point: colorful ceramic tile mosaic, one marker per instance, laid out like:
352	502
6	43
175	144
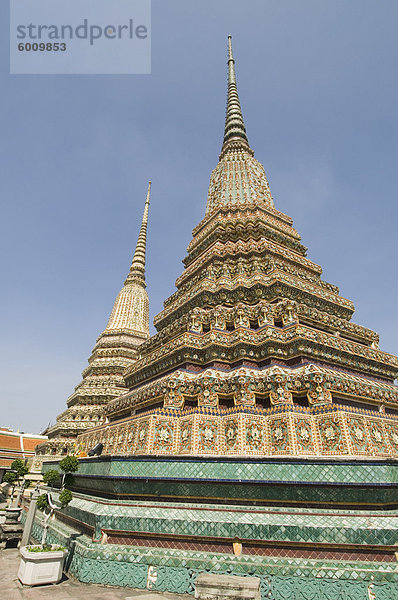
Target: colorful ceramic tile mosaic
283	576
259	417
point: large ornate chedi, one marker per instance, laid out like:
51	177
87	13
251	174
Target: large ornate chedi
255	354
115	350
258	433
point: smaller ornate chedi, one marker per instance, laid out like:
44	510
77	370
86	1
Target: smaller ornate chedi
116	349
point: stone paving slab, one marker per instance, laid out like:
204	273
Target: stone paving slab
68	589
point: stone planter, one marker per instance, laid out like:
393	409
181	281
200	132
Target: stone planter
41	567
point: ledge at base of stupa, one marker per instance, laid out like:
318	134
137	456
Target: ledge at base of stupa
339	552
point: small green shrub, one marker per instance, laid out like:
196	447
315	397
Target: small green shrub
69	464
45	548
51	477
65	497
42	502
10	477
19	466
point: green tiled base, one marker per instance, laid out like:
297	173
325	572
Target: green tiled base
176	570
310	470
332	482
306	504
222	522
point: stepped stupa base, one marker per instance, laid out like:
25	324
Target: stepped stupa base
311	529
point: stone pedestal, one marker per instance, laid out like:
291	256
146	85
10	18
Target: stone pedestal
29	518
11	530
227	587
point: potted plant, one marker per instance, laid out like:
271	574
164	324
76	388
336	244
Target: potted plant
43	563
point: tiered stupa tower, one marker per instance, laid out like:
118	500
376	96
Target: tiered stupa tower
259	433
255	354
115	350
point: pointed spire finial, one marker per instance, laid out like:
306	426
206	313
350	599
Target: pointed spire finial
235	131
137	269
231	62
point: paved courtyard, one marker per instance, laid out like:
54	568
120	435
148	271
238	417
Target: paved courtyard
67	589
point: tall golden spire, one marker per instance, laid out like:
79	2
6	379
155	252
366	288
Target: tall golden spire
137	269
116	349
131	308
235	131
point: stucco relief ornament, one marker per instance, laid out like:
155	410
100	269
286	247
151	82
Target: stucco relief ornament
231	433
196	321
241	319
240	267
394	437
304	434
210	272
358	433
278	434
218	320
142	434
208	397
330	434
226	269
184	434
289	314
377	435
173	398
280	396
244	394
320	394
264	315
208	433
164	434
254	435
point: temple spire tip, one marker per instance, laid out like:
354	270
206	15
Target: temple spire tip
148	193
235	131
137	269
230	55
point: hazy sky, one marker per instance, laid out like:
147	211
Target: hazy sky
317	81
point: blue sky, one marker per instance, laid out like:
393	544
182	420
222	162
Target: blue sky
318	87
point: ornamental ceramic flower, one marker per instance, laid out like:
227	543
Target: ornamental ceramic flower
358	433
164	434
304	435
330	433
208	433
